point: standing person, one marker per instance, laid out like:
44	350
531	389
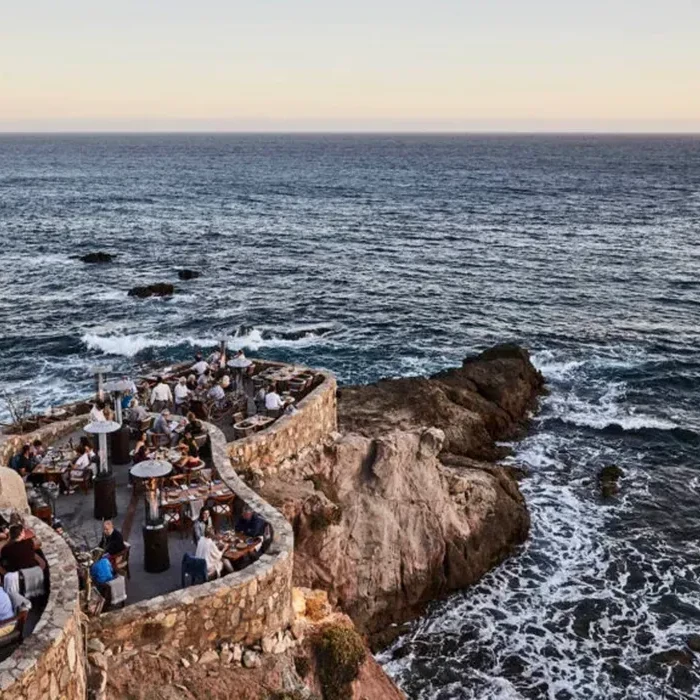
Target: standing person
273	402
161	395
182	396
201	365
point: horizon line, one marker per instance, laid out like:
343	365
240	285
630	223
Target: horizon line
353	132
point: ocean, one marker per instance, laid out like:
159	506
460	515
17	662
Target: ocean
383	255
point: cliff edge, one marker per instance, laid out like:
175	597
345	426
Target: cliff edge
407	503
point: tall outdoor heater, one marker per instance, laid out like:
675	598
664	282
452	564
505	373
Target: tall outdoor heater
156	557
105	482
120	439
99	371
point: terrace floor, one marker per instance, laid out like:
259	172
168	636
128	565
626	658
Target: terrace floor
76	514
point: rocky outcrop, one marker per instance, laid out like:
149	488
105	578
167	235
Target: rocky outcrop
188	274
160	289
403	508
97	258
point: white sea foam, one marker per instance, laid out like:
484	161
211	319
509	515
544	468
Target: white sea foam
129	345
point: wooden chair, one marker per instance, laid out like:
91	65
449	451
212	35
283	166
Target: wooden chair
43	512
222	510
157	439
82	479
172	516
12	630
192	473
121	561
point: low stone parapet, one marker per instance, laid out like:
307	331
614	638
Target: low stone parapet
50	663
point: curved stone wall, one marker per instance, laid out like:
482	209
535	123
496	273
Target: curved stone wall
316	418
240	607
50	663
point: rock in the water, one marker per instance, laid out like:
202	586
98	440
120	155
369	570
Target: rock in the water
673	656
608	480
161	289
693	642
99	257
188	274
251	659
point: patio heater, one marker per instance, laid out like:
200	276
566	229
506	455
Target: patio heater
100	371
120	439
156	557
105	485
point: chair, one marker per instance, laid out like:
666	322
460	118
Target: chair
82	479
201	440
222	510
12	630
43	512
172	516
192	473
121	561
193	567
114	591
157	439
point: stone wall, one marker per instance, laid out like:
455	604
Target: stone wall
241	607
316	418
9	444
50	663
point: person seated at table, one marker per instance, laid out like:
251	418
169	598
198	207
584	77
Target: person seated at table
7	610
192	382
137	412
194	425
140	451
161	426
216	393
38	451
201	525
80	463
93	459
250	524
19	552
112	541
201	365
22	461
186	460
188	440
182	396
225	382
273	402
205	379
208	550
214	359
290	409
97	412
161	395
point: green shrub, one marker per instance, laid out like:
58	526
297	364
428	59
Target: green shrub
340	652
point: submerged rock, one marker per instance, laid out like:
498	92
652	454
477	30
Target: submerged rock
98	257
608	480
160	289
693	642
673	656
188	274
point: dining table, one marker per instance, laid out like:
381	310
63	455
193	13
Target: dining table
236	545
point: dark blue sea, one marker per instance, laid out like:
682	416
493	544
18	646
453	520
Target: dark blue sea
383	256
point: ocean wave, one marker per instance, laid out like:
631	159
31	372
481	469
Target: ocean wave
130	345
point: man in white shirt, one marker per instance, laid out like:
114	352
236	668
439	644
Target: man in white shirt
201	365
161	395
182	394
273	402
207	550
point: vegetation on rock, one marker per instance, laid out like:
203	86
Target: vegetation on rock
340	652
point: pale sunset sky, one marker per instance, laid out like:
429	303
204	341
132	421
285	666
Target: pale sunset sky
367	65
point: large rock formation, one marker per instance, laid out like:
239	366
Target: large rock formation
13	495
402	508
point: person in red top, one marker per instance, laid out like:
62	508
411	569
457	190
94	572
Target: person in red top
18	553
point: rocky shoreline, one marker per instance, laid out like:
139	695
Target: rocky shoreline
407	503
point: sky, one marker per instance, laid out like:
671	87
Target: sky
366	65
